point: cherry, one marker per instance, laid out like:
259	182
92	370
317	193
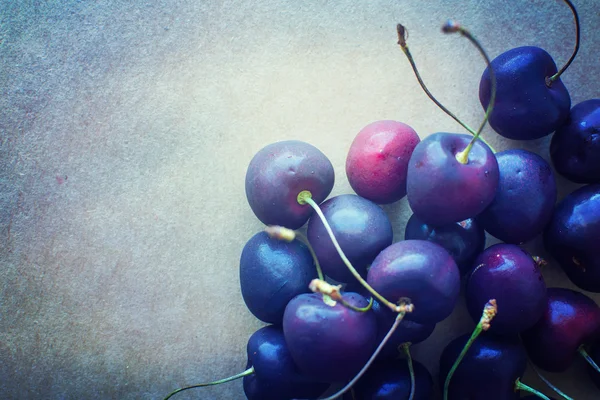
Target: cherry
419	270
531	100
443	190
390	380
572	235
278	173
524	200
272	272
378	158
491	369
407	332
270	372
275	375
509	274
464	240
329	343
570	320
362	229
575	146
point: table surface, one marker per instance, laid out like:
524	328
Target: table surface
126	130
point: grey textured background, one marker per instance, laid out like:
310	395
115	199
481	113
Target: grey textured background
126	129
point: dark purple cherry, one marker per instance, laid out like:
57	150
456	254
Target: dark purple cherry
489	369
390	380
377	161
442	190
360	226
526	107
407	332
570	320
278	172
573	237
419	270
525	198
509	274
273	272
275	376
575	147
464	240
329	343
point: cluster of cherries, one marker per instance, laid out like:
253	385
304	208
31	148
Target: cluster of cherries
343	303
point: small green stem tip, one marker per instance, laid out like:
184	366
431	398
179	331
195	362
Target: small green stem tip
249	371
588	358
489	312
547	382
521	386
411	370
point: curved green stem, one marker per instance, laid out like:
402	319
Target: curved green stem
304	240
411	370
521	386
373	357
359	309
553	78
587	358
489	312
547	382
249	371
402	42
305	197
452	27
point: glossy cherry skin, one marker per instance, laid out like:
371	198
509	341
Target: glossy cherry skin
423	272
464	240
275	376
281	170
329	343
377	161
360	226
489	369
525	198
407	332
273	272
441	190
570	320
509	274
572	237
575	146
525	107
390	380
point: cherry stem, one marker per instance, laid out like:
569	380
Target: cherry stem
550	80
247	372
547	382
305	197
304	240
402	36
411	370
489	312
521	386
453	27
364	369
588	358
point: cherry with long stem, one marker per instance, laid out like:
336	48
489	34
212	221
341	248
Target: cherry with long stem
247	372
453	27
411	370
364	369
581	350
305	197
402	36
553	78
489	312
